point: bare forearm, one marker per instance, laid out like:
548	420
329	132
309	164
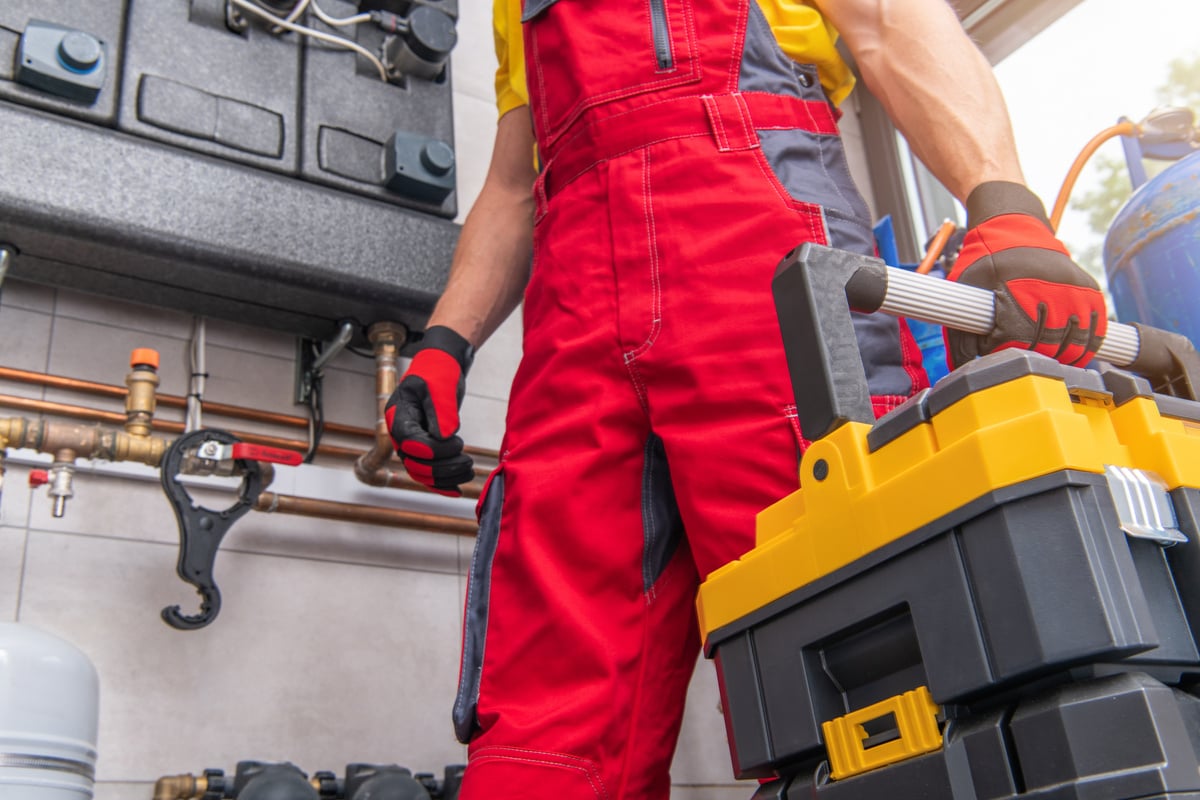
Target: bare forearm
936	86
491	263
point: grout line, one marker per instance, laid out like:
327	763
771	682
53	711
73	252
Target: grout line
240	551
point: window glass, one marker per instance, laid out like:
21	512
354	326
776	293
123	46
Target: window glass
1103	60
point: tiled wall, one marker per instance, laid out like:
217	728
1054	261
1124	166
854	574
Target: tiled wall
337	642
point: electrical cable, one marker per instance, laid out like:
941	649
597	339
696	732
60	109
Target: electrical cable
295	13
337	41
338	21
316	411
292	16
199	344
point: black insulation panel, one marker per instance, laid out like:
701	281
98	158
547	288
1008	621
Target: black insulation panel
138	196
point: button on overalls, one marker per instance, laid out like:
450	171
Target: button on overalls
652	415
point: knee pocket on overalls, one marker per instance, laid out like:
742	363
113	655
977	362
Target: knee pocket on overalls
495	771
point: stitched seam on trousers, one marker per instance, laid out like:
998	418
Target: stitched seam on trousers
677	78
545	106
589	771
637	700
633	149
821	144
738	46
805	210
655	287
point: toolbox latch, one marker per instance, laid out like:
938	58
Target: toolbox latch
1143	506
912	722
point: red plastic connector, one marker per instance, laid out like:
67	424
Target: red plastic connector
38	477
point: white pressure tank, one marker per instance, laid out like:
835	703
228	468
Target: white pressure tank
49	707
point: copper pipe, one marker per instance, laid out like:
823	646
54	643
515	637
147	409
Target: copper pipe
396	480
270	502
386	340
220	409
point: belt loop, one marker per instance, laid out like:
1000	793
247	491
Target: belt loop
729	118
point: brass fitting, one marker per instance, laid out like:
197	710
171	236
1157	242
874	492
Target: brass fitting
142	382
88	441
386	339
179	787
62	476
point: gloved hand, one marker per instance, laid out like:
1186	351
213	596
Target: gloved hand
1044	301
422	414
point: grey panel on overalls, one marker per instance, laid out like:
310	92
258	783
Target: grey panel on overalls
662	524
479	585
813	169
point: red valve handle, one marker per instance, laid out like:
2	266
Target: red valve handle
38	477
258	452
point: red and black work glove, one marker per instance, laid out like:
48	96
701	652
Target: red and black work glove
422	414
1044	301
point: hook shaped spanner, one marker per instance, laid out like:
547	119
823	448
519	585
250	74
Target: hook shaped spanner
201	529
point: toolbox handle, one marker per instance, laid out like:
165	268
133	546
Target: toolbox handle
816	287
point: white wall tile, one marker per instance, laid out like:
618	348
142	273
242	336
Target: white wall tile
474	58
100	352
482	421
123	314
349	398
856	156
246	379
15	499
137	509
496	362
24	294
12	557
126	791
258	341
344	542
315	663
475	132
108	507
702	756
26	340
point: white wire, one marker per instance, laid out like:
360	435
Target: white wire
337	41
337	21
292	16
192	421
297	11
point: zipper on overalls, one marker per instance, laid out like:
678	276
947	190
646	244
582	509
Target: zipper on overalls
662	36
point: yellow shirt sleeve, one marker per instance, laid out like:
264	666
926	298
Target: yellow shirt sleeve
802	32
805	36
510	53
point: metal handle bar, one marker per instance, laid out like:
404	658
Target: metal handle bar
972	310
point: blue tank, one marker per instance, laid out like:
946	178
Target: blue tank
1152	252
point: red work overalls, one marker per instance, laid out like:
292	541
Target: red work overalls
652	415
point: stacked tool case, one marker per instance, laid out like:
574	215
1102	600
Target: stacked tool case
992	592
191	154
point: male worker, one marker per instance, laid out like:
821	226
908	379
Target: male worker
686	146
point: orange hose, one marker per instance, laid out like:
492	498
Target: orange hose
1060	205
936	246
